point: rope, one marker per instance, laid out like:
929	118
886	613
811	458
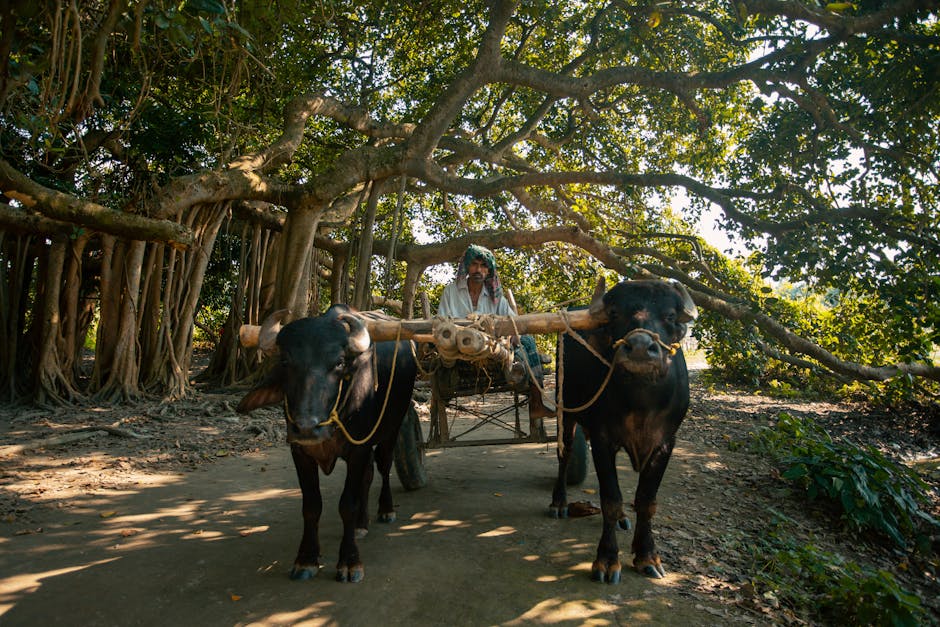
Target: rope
671	348
528	367
424	373
334	413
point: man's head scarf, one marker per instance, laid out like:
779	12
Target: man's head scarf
491	282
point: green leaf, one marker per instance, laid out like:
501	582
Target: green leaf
206	6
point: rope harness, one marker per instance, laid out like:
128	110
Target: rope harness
560	408
334	413
485	323
670	348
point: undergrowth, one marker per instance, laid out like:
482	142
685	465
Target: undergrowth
871	493
872	496
825	584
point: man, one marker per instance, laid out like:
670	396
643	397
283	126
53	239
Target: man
477	290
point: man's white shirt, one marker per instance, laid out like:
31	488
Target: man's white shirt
456	303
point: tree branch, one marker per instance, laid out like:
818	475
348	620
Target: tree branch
63	207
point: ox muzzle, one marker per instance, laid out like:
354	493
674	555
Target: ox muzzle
642	352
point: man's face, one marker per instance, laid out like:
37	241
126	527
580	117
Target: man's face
477	271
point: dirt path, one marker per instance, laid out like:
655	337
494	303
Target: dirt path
198	524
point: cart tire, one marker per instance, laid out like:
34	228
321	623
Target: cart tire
409	453
578	462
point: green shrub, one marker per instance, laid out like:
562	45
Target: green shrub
871	492
839	591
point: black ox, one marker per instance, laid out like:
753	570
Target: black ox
339	403
638	374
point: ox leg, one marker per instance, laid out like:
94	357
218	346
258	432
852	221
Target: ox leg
559	506
383	461
362	510
646	559
606	566
351	508
307	563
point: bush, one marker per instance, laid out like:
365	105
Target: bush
839	591
871	492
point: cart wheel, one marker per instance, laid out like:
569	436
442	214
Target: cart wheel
578	463
409	453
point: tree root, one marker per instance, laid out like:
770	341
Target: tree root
64	437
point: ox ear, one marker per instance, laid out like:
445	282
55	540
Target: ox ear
267	337
268	393
359	340
689	311
596	310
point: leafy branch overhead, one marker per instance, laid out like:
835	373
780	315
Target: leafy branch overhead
569	131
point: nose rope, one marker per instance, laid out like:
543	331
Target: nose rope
334	413
671	348
560	407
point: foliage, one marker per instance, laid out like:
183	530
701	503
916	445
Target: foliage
830	587
872	493
853	326
814	131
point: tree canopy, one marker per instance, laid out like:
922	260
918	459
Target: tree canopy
292	145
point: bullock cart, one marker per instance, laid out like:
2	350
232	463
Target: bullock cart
460	358
473	357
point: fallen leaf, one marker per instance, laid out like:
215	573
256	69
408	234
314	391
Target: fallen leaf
236	597
497	494
127	533
27	532
108	514
589	491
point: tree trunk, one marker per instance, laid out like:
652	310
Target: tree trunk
72	337
363	280
14	254
107	314
338	279
120	378
150	309
409	290
52	383
293	287
177	377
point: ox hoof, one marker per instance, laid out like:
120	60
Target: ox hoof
558	512
387	517
302	572
352	574
361	532
624	524
651	568
605	574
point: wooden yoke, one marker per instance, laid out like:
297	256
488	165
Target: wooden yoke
420	330
384	328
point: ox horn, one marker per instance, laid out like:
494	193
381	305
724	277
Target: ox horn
689	310
596	310
265	336
359	339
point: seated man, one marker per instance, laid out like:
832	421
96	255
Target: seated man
477	290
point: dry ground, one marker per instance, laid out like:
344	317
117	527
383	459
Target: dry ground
196	521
